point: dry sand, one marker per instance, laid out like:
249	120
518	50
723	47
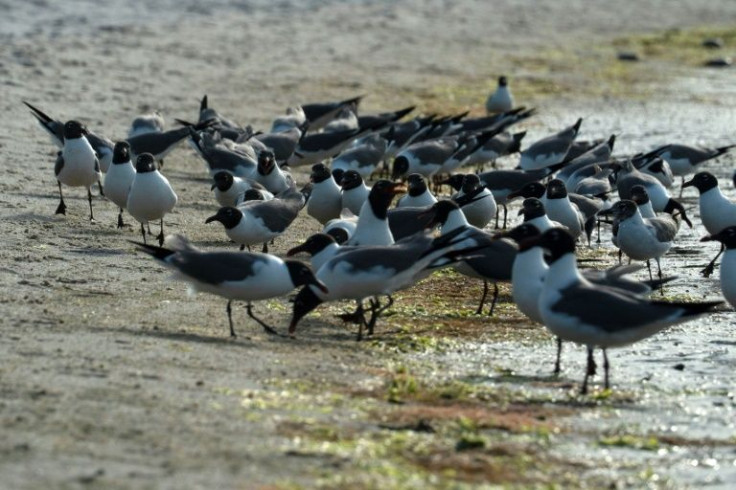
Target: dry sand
112	377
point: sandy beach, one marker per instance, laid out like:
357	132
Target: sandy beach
112	376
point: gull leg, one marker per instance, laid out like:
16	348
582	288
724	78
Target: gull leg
606	366
265	248
377	310
505	215
89	199
558	364
659	274
160	236
99	185
498	213
589	371
361	320
495	298
143	232
483	298
712	265
682	183
120	219
229	310
61	209
649	268
266	327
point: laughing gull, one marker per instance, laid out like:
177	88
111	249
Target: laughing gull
530	269
504	182
159	144
220	158
55	129
234	276
354	191
151	196
76	164
373	228
628	176
119	178
475	201
313	148
560	209
256	221
345	120
270	175
598	154
685	159
378	122
417	195
229	189
597	316
550	150
536	215
321	247
491	264
427	157
363	158
325	199
207	113
640	238
370	271
501	99
320	113
146	123
727	237
282	143
716	210
293	118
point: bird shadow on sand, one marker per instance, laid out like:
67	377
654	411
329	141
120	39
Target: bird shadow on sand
238	342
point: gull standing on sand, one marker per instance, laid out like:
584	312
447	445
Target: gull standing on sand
119	178
501	99
727	237
325	198
234	276
475	201
373	227
716	210
550	150
151	196
578	311
76	164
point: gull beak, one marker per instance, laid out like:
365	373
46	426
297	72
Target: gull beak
212	218
296	250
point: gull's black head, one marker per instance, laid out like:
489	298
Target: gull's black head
703	181
312	245
337	174
74	130
502	81
320	173
726	236
455	181
532	189
556	189
339	234
381	195
639	195
441	211
350	180
223	181
417	185
470	183
304	302
532	208
253	195
523	235
558	242
228	216
624	209
121	152
266	162
301	275
145	163
401	166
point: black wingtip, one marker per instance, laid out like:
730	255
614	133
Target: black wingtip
152	250
38	113
203	103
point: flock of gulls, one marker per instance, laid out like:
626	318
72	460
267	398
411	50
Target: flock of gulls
370	248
